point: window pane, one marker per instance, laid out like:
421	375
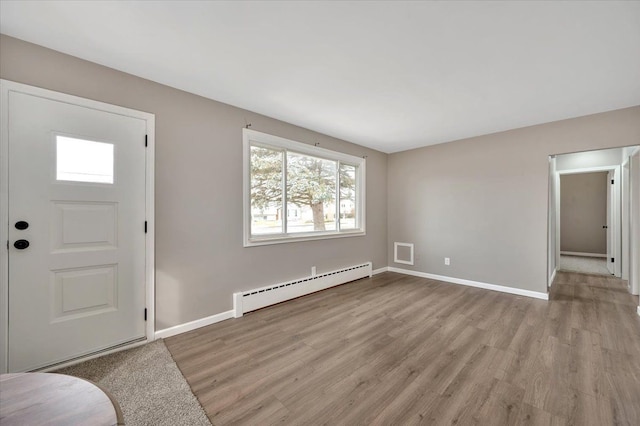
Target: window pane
80	160
348	197
266	191
311	194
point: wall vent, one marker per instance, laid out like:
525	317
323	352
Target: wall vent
403	253
257	298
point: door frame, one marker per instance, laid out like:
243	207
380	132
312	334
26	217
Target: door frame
610	218
616	233
634	231
6	87
626	222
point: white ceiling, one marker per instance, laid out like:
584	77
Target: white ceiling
388	75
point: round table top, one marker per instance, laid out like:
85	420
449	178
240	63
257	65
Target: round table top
55	399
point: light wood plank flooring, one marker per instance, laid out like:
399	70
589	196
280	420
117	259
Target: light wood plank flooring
396	350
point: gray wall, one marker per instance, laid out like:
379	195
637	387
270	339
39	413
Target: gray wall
200	259
480	201
583	212
483	201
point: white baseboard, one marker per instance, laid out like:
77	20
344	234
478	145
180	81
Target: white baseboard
578	253
379	270
486	286
188	326
183	328
552	277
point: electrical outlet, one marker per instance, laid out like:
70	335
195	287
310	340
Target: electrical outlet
447	261
313	271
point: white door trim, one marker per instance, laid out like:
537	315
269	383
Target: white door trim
626	223
634	231
7	86
587	170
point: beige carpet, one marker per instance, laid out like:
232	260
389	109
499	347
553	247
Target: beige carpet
147	384
586	265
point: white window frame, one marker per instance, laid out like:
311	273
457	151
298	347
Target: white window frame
250	137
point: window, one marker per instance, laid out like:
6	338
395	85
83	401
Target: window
79	160
295	191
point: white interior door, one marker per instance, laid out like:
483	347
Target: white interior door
610	204
76	211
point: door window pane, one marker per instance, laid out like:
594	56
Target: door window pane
311	193
80	160
266	191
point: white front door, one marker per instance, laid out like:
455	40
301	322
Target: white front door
76	216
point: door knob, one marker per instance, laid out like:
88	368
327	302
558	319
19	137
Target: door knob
21	244
22	225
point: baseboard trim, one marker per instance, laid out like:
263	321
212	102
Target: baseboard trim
469	283
380	270
578	253
192	325
188	326
552	277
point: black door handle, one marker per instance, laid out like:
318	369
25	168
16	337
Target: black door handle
21	244
22	225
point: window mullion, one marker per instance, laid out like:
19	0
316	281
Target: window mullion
285	203
337	197
357	198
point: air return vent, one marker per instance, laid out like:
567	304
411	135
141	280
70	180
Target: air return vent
257	298
403	253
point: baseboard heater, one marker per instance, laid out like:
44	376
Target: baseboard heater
257	298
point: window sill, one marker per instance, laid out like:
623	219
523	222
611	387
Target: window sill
252	242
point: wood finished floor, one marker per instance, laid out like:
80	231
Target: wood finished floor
396	350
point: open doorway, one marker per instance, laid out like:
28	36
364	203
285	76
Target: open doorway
585	223
593	200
